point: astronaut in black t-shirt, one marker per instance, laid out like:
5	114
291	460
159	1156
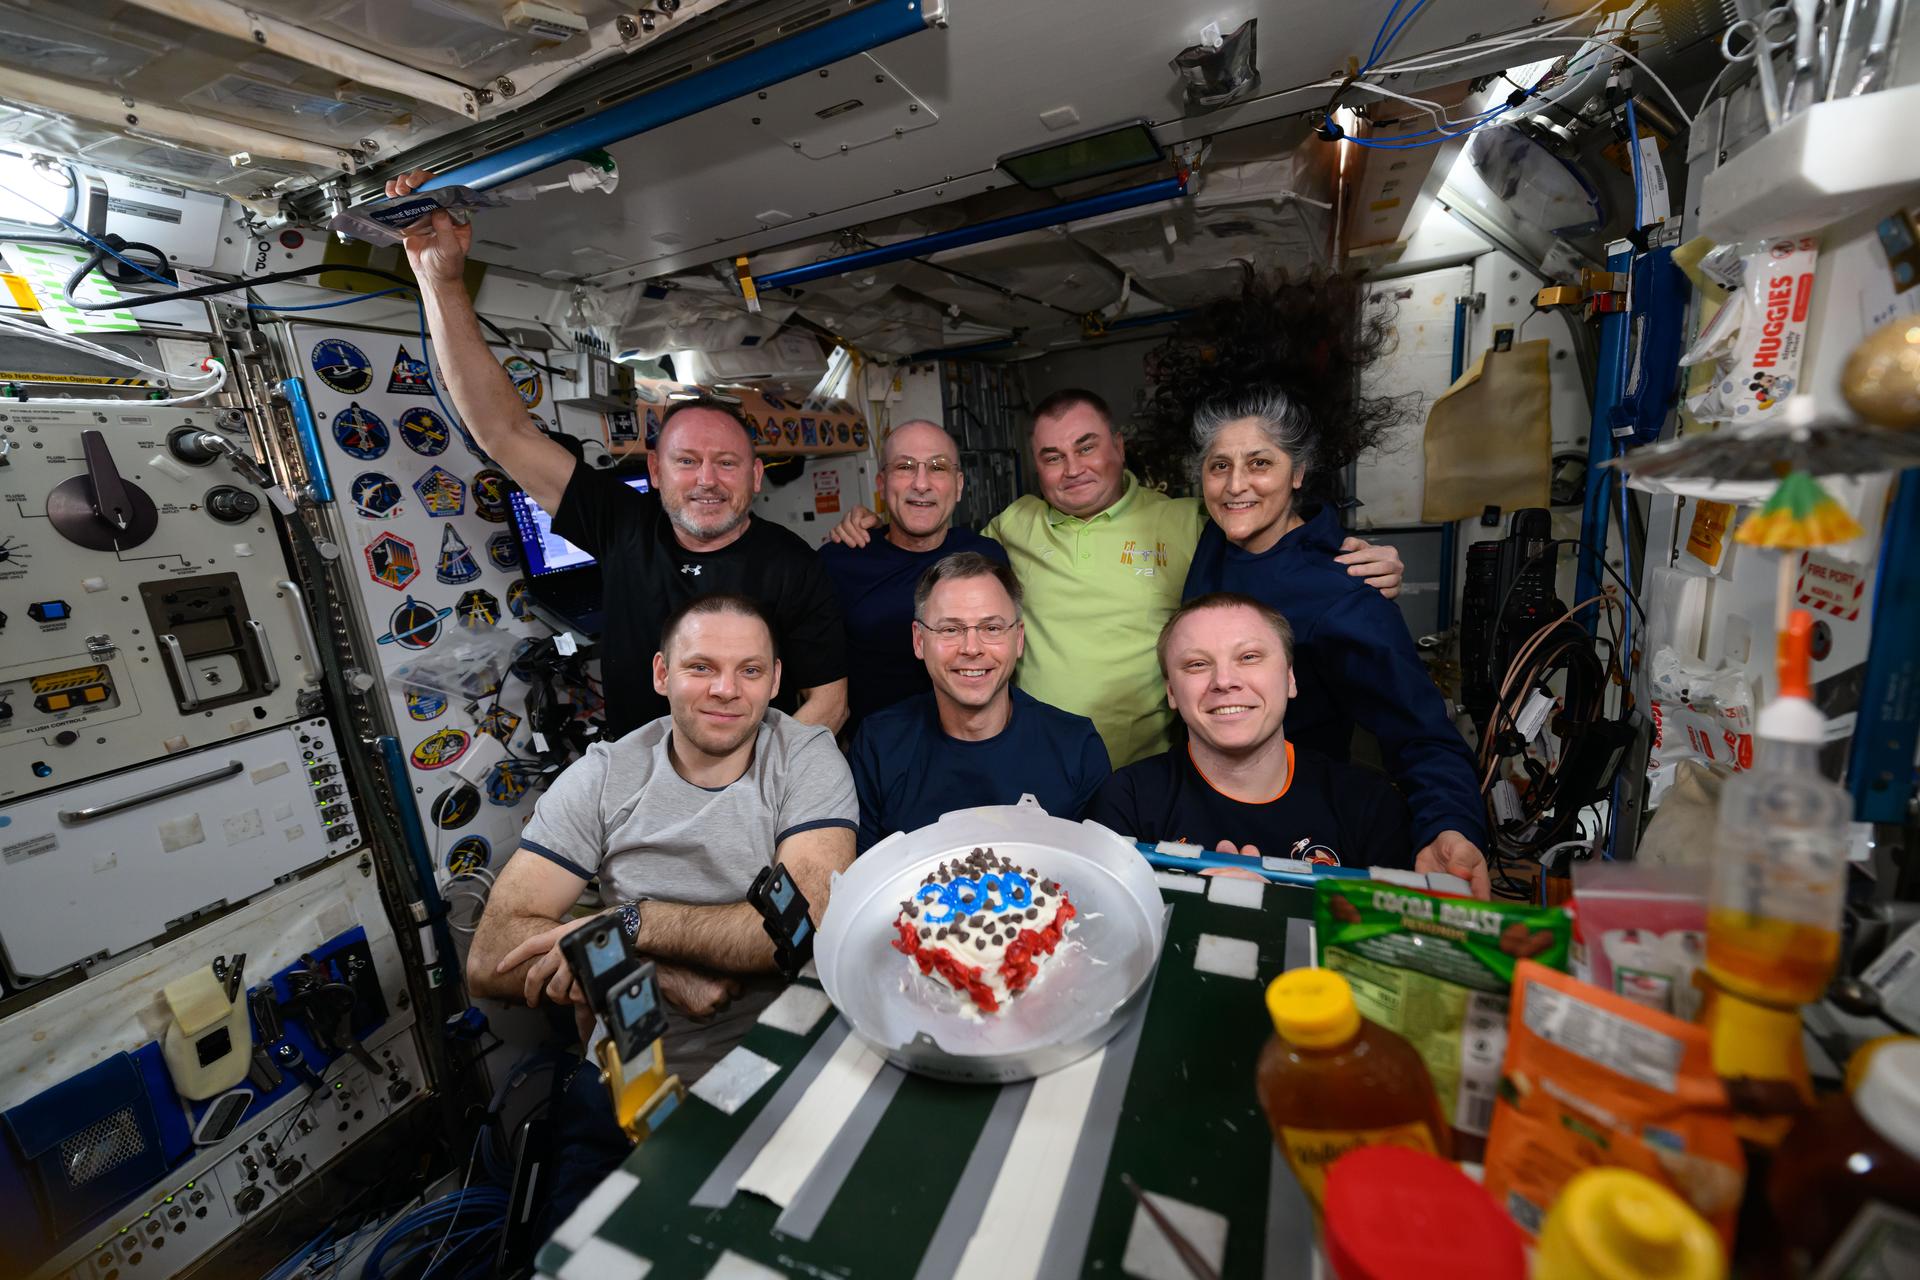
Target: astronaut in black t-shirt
694	535
1238	785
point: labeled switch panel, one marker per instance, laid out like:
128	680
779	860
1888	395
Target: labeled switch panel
142	605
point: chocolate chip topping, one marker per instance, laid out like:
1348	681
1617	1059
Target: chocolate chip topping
978	919
1033	913
942	934
979	944
924	931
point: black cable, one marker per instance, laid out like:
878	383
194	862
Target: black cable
276	277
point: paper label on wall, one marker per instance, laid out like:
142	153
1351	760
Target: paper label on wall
1707	536
1656	205
826	492
1830	587
47	268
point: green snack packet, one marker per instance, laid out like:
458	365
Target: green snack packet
1438	971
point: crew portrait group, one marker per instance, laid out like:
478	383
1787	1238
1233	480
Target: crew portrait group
1172	668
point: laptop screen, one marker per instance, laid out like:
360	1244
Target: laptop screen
545	550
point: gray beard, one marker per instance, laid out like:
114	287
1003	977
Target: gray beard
688	527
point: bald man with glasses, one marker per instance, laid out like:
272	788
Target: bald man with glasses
974	739
921	480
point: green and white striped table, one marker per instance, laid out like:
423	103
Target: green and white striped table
895	1176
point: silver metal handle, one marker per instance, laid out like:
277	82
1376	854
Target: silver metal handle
307	637
177	665
266	654
77	816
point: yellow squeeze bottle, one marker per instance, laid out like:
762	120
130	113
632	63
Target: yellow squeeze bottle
1779	883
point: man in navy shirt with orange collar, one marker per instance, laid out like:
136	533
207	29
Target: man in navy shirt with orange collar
975	739
1239	786
921	481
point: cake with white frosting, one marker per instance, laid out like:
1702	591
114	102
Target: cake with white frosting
983	926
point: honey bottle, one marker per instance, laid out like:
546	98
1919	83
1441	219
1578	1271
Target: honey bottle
1332	1082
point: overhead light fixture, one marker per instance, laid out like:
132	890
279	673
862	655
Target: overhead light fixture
1219	68
1093	155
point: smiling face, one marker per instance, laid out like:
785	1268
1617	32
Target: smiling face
969	637
706	473
1081	460
718	679
920	477
1248	483
1229	677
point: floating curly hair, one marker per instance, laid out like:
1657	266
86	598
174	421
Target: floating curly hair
1281	349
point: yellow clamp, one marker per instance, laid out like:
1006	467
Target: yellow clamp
643	1094
744	275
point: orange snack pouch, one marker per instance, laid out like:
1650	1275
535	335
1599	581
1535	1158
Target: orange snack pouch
1593	1079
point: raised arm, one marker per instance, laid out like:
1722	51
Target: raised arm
481	390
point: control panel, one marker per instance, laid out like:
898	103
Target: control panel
145	604
176	1225
91	870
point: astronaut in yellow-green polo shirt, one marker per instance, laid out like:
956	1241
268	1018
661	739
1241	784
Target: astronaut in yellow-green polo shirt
1102	559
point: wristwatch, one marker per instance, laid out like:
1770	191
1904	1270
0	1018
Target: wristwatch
628	914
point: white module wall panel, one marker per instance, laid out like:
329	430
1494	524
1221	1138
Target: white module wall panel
96	869
122	643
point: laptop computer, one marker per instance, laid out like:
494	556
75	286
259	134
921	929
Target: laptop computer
563	580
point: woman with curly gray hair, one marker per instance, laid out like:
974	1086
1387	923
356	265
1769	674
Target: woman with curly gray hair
1271	383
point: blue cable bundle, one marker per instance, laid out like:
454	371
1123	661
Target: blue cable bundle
456	1233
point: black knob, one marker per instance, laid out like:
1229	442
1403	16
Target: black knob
231	505
193	446
66	738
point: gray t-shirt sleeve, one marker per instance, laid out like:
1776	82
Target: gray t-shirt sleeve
568	826
818	789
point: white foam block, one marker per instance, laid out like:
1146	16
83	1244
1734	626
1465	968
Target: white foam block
1179	850
796	1009
1026	1193
603	1260
1228	957
1150	1255
734	1080
1179	883
811	969
787	1160
1235	892
595	1210
732	1266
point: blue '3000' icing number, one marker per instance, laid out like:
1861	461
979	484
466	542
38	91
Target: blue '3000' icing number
993	892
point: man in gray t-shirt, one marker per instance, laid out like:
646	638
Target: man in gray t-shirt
675	819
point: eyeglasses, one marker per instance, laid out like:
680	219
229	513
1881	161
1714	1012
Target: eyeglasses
992	631
934	466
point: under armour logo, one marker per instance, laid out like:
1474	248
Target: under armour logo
693	569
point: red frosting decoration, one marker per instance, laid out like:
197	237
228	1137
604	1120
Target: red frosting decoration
1018	967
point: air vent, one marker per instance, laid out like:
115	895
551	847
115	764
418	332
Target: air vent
1227	230
804	21
648	85
733	50
507	141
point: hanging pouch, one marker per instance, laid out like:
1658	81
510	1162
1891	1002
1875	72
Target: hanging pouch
88	1143
209	1044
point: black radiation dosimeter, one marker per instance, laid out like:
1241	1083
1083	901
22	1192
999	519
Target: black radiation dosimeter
783	913
623	991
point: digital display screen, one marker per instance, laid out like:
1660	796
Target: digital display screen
546	551
636	1003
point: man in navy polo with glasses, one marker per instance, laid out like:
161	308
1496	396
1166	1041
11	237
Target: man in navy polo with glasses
974	740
